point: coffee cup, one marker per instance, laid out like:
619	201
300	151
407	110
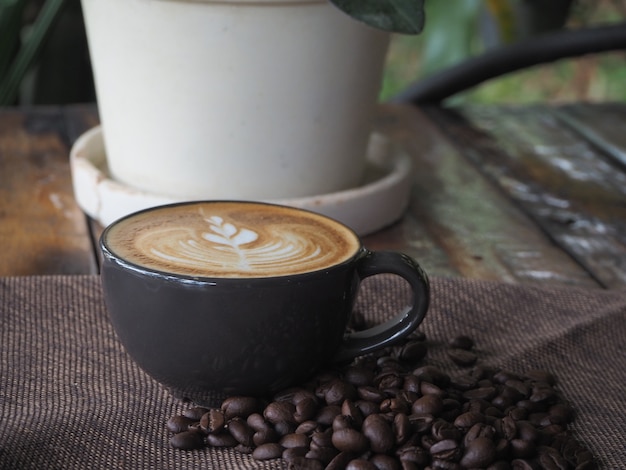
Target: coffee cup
235	297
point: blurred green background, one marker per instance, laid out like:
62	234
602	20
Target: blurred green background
44	57
459	29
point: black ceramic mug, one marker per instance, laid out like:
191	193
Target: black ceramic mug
243	297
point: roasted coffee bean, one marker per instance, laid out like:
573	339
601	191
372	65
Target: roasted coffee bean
388	380
482	393
350	440
506	427
522	449
379	432
413	351
305	464
322	454
367	407
326	415
384	411
257	422
358	375
268	451
428	404
388	363
527	431
322	438
287	394
466	420
415	454
550	459
522	388
502	402
195	413
433	375
279	411
539	375
427	388
212	421
438	464
240	430
427	441
503	449
187	440
542	394
461	342
293	453
349	409
240	406
265	436
385	462
307	427
360	464
521	464
479	430
562	410
341	422
221	439
244	449
448	449
395	405
401	428
338	391
411	383
421	422
179	423
303	394
442	430
480	452
499	465
306	409
283	428
371	394
295	440
462	357
529	406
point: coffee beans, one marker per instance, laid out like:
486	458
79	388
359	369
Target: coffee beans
387	412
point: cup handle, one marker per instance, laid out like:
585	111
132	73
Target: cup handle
403	323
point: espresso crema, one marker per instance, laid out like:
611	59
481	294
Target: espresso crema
231	239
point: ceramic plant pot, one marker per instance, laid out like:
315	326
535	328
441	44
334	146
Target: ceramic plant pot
263	99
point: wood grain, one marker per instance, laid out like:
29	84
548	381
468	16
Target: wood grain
563	182
42	230
476	231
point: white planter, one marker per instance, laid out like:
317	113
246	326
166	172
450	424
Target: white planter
234	99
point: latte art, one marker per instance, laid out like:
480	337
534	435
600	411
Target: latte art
229	239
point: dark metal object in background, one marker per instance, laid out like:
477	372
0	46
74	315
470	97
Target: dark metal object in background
539	50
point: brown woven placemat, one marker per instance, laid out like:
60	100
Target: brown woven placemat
70	398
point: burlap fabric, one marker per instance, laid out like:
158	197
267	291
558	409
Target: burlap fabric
70	398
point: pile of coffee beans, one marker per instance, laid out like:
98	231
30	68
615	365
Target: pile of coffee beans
390	411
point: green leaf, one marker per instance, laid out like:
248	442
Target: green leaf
399	16
450	35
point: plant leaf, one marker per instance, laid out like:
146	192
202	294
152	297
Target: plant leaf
398	16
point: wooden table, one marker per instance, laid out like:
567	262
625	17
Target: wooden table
531	194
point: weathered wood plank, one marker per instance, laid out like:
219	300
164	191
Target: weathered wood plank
602	124
42	230
568	186
454	208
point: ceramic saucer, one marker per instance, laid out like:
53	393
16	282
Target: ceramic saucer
379	201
